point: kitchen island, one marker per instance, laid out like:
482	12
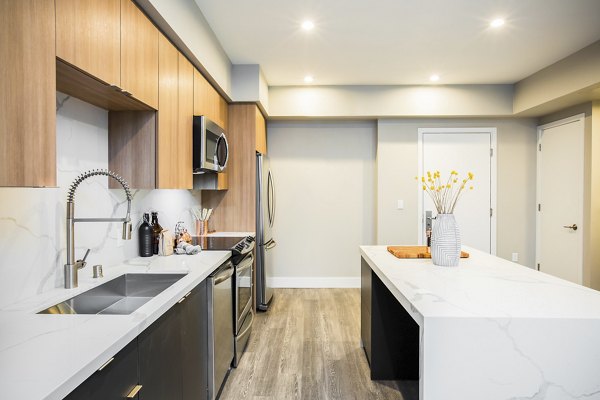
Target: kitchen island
487	329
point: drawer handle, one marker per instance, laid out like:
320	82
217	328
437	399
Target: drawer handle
106	364
134	391
184	297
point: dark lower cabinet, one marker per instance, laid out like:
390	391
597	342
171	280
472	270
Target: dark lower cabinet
365	307
194	342
168	359
114	381
389	334
160	357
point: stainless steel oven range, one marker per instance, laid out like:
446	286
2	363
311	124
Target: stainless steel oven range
242	250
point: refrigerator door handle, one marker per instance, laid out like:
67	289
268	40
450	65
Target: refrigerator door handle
271	198
270	244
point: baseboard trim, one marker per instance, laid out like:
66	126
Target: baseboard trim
314	282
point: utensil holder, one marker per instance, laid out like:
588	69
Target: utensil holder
201	228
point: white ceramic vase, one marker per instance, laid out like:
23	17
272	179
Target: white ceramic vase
445	241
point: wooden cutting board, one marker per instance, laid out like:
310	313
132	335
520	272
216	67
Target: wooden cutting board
415	252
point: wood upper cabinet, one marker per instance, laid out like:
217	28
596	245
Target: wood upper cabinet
207	101
28	93
185	123
139	55
168	112
88	36
175	117
261	132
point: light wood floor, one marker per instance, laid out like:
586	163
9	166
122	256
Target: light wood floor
307	346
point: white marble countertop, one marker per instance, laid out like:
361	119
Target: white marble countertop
46	356
481	286
495	330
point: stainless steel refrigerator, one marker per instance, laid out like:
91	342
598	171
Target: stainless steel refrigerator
265	217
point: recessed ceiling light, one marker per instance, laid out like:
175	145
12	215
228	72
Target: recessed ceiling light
434	78
308	25
308	78
497	23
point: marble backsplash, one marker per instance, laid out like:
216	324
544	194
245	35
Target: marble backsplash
32	220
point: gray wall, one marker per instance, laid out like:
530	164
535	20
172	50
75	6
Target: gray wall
325	190
397	165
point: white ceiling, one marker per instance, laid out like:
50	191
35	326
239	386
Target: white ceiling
380	42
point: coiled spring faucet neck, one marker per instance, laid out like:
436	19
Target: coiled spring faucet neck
71	267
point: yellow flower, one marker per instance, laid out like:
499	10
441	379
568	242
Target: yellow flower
464	181
471	188
471	175
448	186
456	180
423	179
429	173
432	187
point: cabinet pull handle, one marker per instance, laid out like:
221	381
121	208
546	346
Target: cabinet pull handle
184	297
134	391
106	364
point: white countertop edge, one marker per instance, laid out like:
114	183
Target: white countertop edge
12	381
410	309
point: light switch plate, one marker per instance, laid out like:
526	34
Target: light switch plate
515	257
400	205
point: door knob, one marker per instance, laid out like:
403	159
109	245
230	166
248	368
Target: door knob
574	227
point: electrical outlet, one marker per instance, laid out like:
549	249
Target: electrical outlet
515	257
400	205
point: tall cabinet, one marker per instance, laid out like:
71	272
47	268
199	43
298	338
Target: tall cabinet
234	209
28	93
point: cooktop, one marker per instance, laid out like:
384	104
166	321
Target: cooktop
218	242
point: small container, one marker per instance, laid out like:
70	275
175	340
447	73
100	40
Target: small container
98	271
145	237
201	228
156	230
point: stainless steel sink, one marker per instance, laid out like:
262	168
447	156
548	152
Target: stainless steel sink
122	295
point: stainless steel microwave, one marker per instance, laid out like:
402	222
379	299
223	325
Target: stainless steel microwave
211	150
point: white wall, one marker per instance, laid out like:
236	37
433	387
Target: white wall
325	186
397	166
32	220
570	81
390	101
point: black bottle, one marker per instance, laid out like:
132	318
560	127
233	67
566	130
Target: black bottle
156	230
145	237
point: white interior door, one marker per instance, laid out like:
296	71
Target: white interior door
560	199
464	150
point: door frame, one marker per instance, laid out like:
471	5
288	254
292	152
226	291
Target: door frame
493	177
538	184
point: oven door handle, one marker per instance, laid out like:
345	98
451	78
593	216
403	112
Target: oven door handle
224	275
245	263
242	334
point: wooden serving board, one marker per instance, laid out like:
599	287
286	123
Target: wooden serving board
415	252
